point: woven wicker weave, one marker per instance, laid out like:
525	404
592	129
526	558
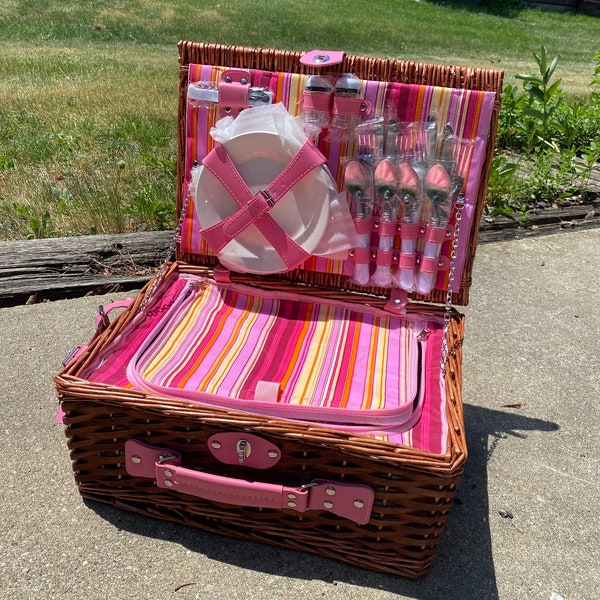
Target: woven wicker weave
413	489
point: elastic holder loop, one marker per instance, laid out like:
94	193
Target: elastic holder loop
411	231
362	256
438	235
384	258
407	261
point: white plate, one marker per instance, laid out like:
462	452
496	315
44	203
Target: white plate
302	213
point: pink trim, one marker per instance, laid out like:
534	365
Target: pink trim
350	106
319	101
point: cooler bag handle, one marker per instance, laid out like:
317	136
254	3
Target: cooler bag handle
348	500
102	322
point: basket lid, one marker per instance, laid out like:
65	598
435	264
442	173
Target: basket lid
460	99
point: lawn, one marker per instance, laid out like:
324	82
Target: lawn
88	89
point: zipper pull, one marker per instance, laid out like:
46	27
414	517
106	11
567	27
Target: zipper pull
423	336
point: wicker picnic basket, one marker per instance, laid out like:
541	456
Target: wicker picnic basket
413	488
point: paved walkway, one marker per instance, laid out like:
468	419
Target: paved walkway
525	524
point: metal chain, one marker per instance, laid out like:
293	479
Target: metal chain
158	278
460	204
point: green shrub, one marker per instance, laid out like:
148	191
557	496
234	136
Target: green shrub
546	147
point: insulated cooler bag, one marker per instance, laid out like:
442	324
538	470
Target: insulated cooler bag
294	376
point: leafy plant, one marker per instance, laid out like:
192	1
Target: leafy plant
547	147
505	189
543	98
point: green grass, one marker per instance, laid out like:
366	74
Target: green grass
88	89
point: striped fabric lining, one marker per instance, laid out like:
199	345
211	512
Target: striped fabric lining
468	111
227	343
429	434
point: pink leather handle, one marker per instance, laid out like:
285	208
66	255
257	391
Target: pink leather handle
348	500
102	319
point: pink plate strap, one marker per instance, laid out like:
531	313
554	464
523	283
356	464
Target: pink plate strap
348	500
254	208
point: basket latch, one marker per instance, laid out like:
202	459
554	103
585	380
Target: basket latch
232	447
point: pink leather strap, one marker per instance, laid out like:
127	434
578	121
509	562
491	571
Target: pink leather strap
411	231
233	90
432	265
362	256
365	225
319	101
385	258
407	261
102	319
438	235
254	208
388	228
350	106
237	448
348	500
397	301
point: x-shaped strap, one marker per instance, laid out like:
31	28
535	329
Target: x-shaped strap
254	208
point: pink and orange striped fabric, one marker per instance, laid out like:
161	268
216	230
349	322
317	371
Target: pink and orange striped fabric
317	355
226	342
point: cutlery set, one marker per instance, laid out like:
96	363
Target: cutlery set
403	181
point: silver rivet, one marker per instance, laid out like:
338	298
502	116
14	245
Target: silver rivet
162	457
397	301
227	109
328	504
168	483
291	504
228	79
320	58
273	454
359	503
136	459
291	496
168	473
216	444
243	81
422	229
330	491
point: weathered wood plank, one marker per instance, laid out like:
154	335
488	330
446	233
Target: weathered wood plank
38	270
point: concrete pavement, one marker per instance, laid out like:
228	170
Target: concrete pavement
525	522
